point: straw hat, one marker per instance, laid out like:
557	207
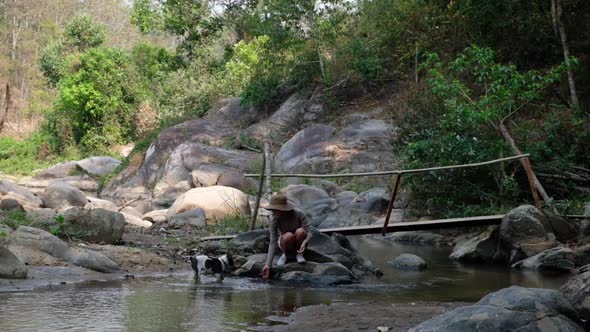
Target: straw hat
279	203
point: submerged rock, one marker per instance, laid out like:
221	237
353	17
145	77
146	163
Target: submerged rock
479	249
555	259
409	262
510	309
418	237
10	266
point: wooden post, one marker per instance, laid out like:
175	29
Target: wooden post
259	195
530	174
268	170
391	201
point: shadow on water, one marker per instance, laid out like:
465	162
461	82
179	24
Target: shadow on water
179	303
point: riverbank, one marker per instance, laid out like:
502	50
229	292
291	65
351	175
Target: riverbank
361	316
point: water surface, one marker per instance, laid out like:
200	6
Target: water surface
178	303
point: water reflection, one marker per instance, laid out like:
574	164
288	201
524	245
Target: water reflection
179	303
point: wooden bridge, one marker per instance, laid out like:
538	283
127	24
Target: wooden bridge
400	226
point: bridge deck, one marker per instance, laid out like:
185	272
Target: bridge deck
400	226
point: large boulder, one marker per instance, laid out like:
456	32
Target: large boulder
191	219
564	230
59	195
577	291
196	139
175	177
95	225
98	166
510	309
523	225
308	150
480	249
363	145
9	204
409	262
291	116
216	201
83	182
28	200
41	240
10	266
57	171
555	259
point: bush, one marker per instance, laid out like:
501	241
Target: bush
96	103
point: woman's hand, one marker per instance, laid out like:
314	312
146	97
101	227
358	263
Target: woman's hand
265	272
302	248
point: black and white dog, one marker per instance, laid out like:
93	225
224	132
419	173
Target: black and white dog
204	264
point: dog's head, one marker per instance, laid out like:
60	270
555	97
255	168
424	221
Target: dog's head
228	262
214	264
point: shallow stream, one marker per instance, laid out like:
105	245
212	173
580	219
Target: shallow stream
178	303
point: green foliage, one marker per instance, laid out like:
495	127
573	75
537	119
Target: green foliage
58	228
83	33
474	95
14	218
190	19
229	225
34	153
53	62
96	102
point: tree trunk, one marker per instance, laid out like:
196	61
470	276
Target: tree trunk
557	12
506	135
6	107
259	195
268	170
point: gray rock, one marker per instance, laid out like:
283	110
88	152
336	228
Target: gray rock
409	262
523	225
98	166
375	200
479	249
308	150
11	204
5	232
311	273
10	266
510	309
97	203
555	259
321	249
96	225
564	230
60	195
282	124
192	218
58	171
252	268
41	240
582	255
188	140
28	200
587	209
577	291
418	237
42	216
208	175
